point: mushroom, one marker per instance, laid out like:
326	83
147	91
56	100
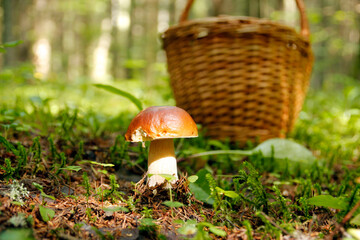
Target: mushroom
160	124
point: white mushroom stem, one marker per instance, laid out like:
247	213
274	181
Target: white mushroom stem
161	161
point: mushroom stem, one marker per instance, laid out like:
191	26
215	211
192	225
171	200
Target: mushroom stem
161	161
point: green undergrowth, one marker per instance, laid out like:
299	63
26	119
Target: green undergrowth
265	195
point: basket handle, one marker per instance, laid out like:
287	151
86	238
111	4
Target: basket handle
304	24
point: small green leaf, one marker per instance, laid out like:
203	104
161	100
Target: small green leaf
38	186
116	209
117	91
230	194
147	222
103	171
17	233
12	43
173	204
193	178
188	228
167	177
328	201
217	231
46	213
72	168
47	196
17	203
200	188
97	163
213	229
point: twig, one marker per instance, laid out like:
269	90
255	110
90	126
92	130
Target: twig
340	227
350	213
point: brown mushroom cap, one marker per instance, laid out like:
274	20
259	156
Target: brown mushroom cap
161	122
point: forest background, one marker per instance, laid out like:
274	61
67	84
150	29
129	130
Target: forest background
75	43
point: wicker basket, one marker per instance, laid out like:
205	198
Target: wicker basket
241	78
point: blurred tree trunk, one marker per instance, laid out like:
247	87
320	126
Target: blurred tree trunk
84	47
129	48
323	51
115	48
16	26
172	13
356	66
151	39
43	36
254	8
216	9
7	29
264	7
247	8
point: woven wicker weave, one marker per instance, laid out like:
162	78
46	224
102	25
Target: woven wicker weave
241	78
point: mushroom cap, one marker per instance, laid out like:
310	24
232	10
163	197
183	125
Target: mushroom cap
161	122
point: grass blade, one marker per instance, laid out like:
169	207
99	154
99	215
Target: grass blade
122	93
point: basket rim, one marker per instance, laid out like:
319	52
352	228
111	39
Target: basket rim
238	21
235	26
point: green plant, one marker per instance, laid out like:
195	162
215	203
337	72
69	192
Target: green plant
9	170
249	230
62	165
119	151
79	153
9	147
249	179
86	184
220	203
42	193
149	228
35	151
17	233
22	160
88	212
147	212
53	152
112	193
283	204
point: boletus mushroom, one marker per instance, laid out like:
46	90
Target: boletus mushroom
160	125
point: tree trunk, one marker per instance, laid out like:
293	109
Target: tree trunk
129	54
7	32
115	47
151	40
254	8
172	11
356	66
216	9
16	26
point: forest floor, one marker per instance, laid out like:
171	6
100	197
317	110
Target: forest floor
124	210
72	175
